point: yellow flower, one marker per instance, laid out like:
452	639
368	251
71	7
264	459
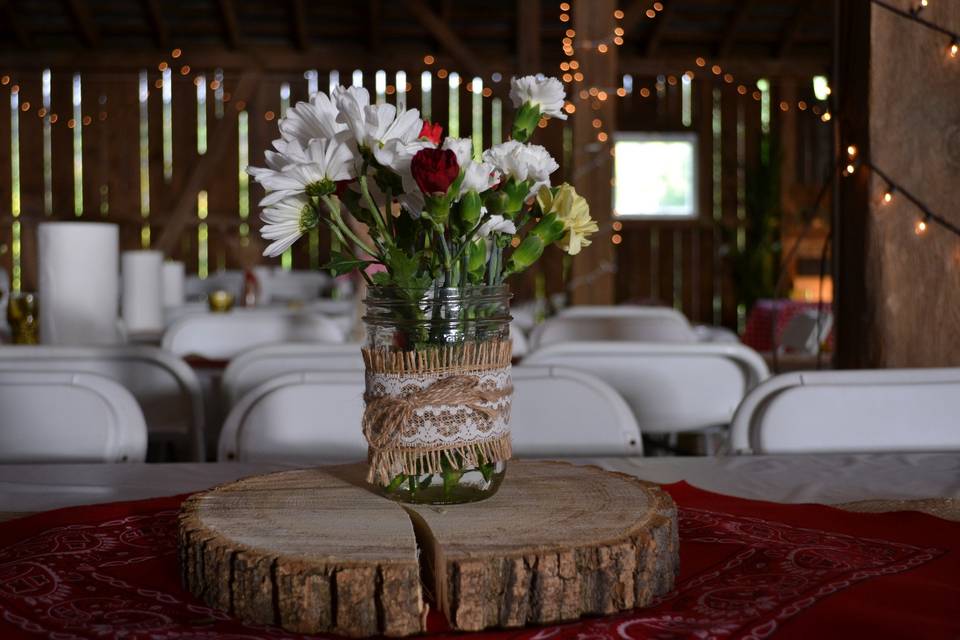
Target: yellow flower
573	211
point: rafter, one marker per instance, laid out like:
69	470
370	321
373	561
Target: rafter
528	25
374	18
13	22
659	28
85	24
298	25
231	27
793	28
154	15
733	26
465	57
203	168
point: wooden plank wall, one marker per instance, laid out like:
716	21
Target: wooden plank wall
679	262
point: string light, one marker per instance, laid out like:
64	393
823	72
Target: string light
852	151
914	15
921	227
888	194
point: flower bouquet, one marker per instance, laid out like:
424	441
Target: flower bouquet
435	227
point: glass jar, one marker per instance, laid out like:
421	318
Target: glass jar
438	391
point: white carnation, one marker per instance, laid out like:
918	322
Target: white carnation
522	161
546	93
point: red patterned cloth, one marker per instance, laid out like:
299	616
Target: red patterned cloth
758	334
749	569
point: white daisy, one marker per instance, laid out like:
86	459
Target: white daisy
324	163
309	120
545	93
285	222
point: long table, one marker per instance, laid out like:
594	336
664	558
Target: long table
825	479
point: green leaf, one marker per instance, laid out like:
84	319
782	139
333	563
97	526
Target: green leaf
341	263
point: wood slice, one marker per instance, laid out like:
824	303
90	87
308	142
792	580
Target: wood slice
557	542
310	550
317	551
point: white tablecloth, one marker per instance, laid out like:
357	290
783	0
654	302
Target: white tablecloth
809	478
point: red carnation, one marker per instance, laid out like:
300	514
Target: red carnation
434	170
432	132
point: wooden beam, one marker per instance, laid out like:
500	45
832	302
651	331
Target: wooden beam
154	16
13	21
204	167
793	29
374	17
592	280
736	21
659	29
85	24
529	25
231	28
298	25
465	57
633	14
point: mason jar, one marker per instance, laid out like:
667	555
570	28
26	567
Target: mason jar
438	392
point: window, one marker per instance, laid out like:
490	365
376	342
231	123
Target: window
655	175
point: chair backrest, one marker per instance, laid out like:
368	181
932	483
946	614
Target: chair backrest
57	416
305	417
232	281
222	336
258	365
166	389
851	411
315	416
561	412
669	387
635	324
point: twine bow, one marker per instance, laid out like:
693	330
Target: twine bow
386	416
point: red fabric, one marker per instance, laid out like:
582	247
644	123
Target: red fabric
758	334
749	569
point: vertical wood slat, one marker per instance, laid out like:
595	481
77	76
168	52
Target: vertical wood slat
184	154
6	187
729	101
31	174
119	133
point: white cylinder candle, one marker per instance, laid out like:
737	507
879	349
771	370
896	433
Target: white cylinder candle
141	302
173	279
78	282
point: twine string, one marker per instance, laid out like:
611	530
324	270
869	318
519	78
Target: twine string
385	417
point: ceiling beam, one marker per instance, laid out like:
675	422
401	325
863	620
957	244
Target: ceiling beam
298	25
633	14
528	25
374	18
452	43
203	168
154	15
736	21
793	28
231	28
13	21
84	21
659	29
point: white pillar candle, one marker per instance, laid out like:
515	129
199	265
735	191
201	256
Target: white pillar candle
141	302
78	282
173	279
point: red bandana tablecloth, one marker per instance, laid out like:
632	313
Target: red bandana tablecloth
748	570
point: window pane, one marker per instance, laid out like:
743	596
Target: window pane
655	174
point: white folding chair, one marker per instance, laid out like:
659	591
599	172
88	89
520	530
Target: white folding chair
230	280
57	416
561	412
222	336
851	411
637	324
166	389
252	368
306	417
279	285
315	416
670	387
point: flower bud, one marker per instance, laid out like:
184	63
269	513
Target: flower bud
469	210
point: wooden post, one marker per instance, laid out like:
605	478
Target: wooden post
592	280
528	36
898	293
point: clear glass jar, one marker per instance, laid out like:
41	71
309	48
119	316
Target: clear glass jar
403	323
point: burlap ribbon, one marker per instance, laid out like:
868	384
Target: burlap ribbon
385	417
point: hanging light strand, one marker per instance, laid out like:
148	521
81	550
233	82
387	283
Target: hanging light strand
953	46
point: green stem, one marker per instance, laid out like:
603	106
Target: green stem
374	209
345	228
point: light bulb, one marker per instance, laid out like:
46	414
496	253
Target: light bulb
851	169
954	49
887	197
852	151
920	228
